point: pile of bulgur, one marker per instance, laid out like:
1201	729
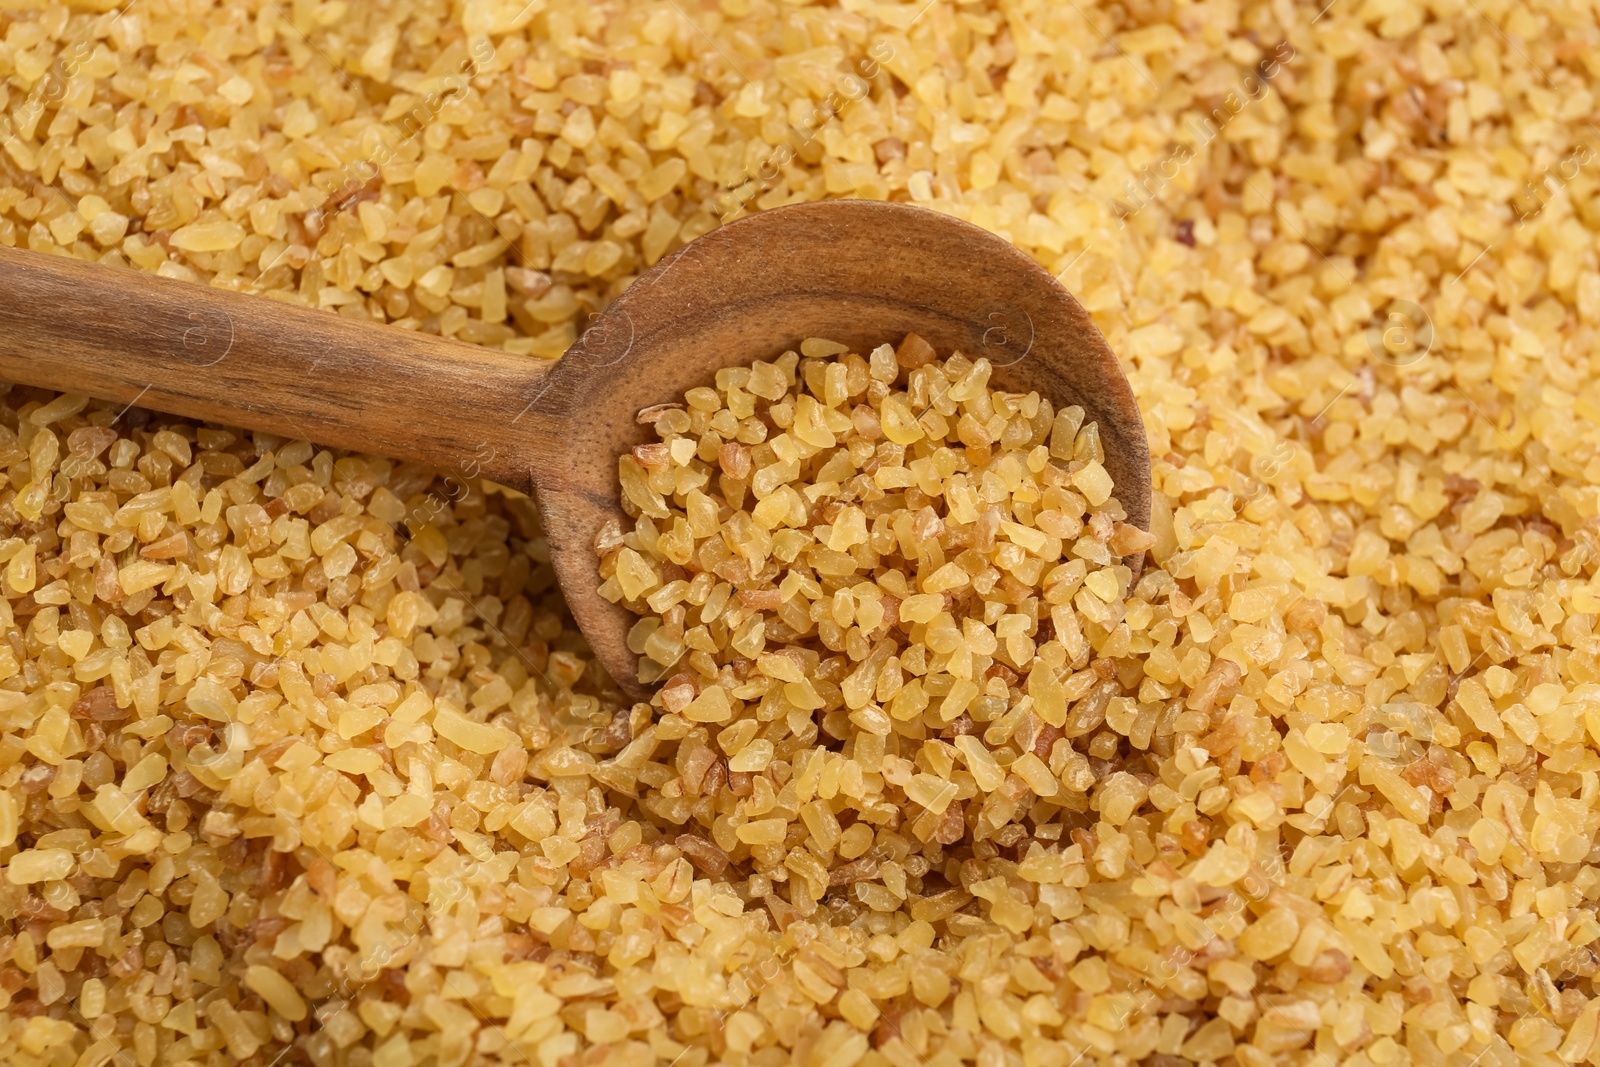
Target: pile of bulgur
891	554
302	760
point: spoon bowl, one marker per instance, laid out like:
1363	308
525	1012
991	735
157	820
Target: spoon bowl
855	271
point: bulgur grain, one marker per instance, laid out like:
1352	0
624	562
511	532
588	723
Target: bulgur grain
1344	253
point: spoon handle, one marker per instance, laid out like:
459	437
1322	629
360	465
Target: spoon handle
245	360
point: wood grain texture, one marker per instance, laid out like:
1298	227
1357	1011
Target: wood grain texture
248	361
860	272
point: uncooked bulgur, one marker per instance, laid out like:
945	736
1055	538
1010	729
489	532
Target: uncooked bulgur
874	570
301	759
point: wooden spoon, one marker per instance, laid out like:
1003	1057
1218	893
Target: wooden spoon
860	272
